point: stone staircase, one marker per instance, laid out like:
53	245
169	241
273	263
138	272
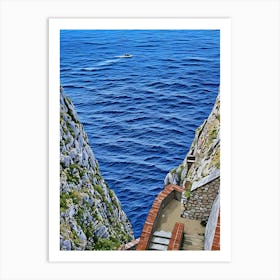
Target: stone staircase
160	240
193	242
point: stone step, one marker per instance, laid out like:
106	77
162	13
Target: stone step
158	247
161	233
194	236
192	240
195	248
193	243
160	240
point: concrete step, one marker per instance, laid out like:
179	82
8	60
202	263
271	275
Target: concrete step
158	247
161	233
160	240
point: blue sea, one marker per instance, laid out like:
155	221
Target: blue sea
140	113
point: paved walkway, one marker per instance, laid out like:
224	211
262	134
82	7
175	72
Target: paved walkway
193	230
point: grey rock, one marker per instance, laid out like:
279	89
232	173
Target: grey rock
88	207
86	198
65	245
82	236
65	160
71	211
170	179
101	232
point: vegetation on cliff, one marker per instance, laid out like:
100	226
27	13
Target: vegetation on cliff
91	217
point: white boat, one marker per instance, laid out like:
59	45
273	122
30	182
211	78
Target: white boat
126	55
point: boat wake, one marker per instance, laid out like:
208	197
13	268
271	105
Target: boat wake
126	55
107	62
101	65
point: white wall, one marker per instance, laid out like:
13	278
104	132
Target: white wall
211	224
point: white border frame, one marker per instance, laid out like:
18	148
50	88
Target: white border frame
55	25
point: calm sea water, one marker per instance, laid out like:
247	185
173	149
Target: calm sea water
140	113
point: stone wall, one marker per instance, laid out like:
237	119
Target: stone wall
199	204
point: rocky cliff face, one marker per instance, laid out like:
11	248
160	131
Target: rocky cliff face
91	217
203	158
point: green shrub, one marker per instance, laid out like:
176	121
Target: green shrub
213	134
64	200
89	231
109	207
187	193
106	244
78	167
72	179
180	170
75	196
99	189
68	99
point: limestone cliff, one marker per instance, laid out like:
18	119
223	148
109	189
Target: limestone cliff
91	217
203	158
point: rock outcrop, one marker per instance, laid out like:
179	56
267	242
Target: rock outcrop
203	158
91	217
